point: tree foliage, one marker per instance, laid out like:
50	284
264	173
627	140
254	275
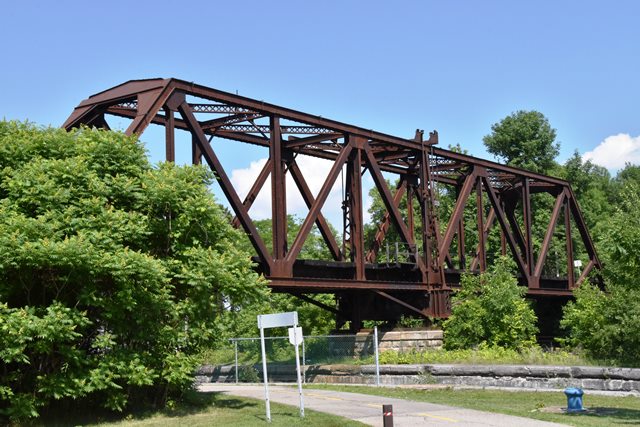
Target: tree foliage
592	187
113	274
618	239
524	139
377	211
606	323
490	310
314	246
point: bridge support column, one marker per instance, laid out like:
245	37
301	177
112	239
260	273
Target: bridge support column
278	192
354	201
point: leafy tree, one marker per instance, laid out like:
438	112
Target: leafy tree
524	139
377	210
629	175
592	186
490	309
113	274
606	323
618	240
314	246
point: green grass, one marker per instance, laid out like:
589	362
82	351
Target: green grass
607	410
209	409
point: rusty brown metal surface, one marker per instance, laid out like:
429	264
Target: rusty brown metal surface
437	248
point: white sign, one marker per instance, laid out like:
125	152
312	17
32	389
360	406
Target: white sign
277	320
295	335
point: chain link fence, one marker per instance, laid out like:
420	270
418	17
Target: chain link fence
341	357
314	350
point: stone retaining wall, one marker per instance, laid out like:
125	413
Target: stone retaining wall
401	340
514	376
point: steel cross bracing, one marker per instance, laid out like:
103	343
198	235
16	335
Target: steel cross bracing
489	199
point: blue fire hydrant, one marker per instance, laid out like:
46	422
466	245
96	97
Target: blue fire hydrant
574	399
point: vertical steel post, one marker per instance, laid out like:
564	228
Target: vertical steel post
196	154
462	256
354	179
567	227
410	220
526	213
170	146
375	347
236	351
278	195
304	364
425	216
482	252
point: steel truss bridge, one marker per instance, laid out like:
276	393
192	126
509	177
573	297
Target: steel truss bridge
489	199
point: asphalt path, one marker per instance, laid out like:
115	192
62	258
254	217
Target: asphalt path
368	409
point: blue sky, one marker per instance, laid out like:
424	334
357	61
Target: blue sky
454	66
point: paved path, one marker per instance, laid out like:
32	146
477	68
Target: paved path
368	409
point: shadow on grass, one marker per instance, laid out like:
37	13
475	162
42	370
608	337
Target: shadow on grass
290	416
618	415
229	402
191	403
195	401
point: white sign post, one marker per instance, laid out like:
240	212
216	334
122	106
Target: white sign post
275	321
295	338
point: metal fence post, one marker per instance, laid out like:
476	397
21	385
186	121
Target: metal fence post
375	347
304	365
236	350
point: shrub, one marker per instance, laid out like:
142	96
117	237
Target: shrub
248	374
113	274
605	324
490	309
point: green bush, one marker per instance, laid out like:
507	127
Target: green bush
606	325
490	309
248	374
113	274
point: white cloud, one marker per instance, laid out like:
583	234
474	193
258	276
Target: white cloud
615	151
243	179
315	172
367	184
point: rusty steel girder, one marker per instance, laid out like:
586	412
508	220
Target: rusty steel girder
436	250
